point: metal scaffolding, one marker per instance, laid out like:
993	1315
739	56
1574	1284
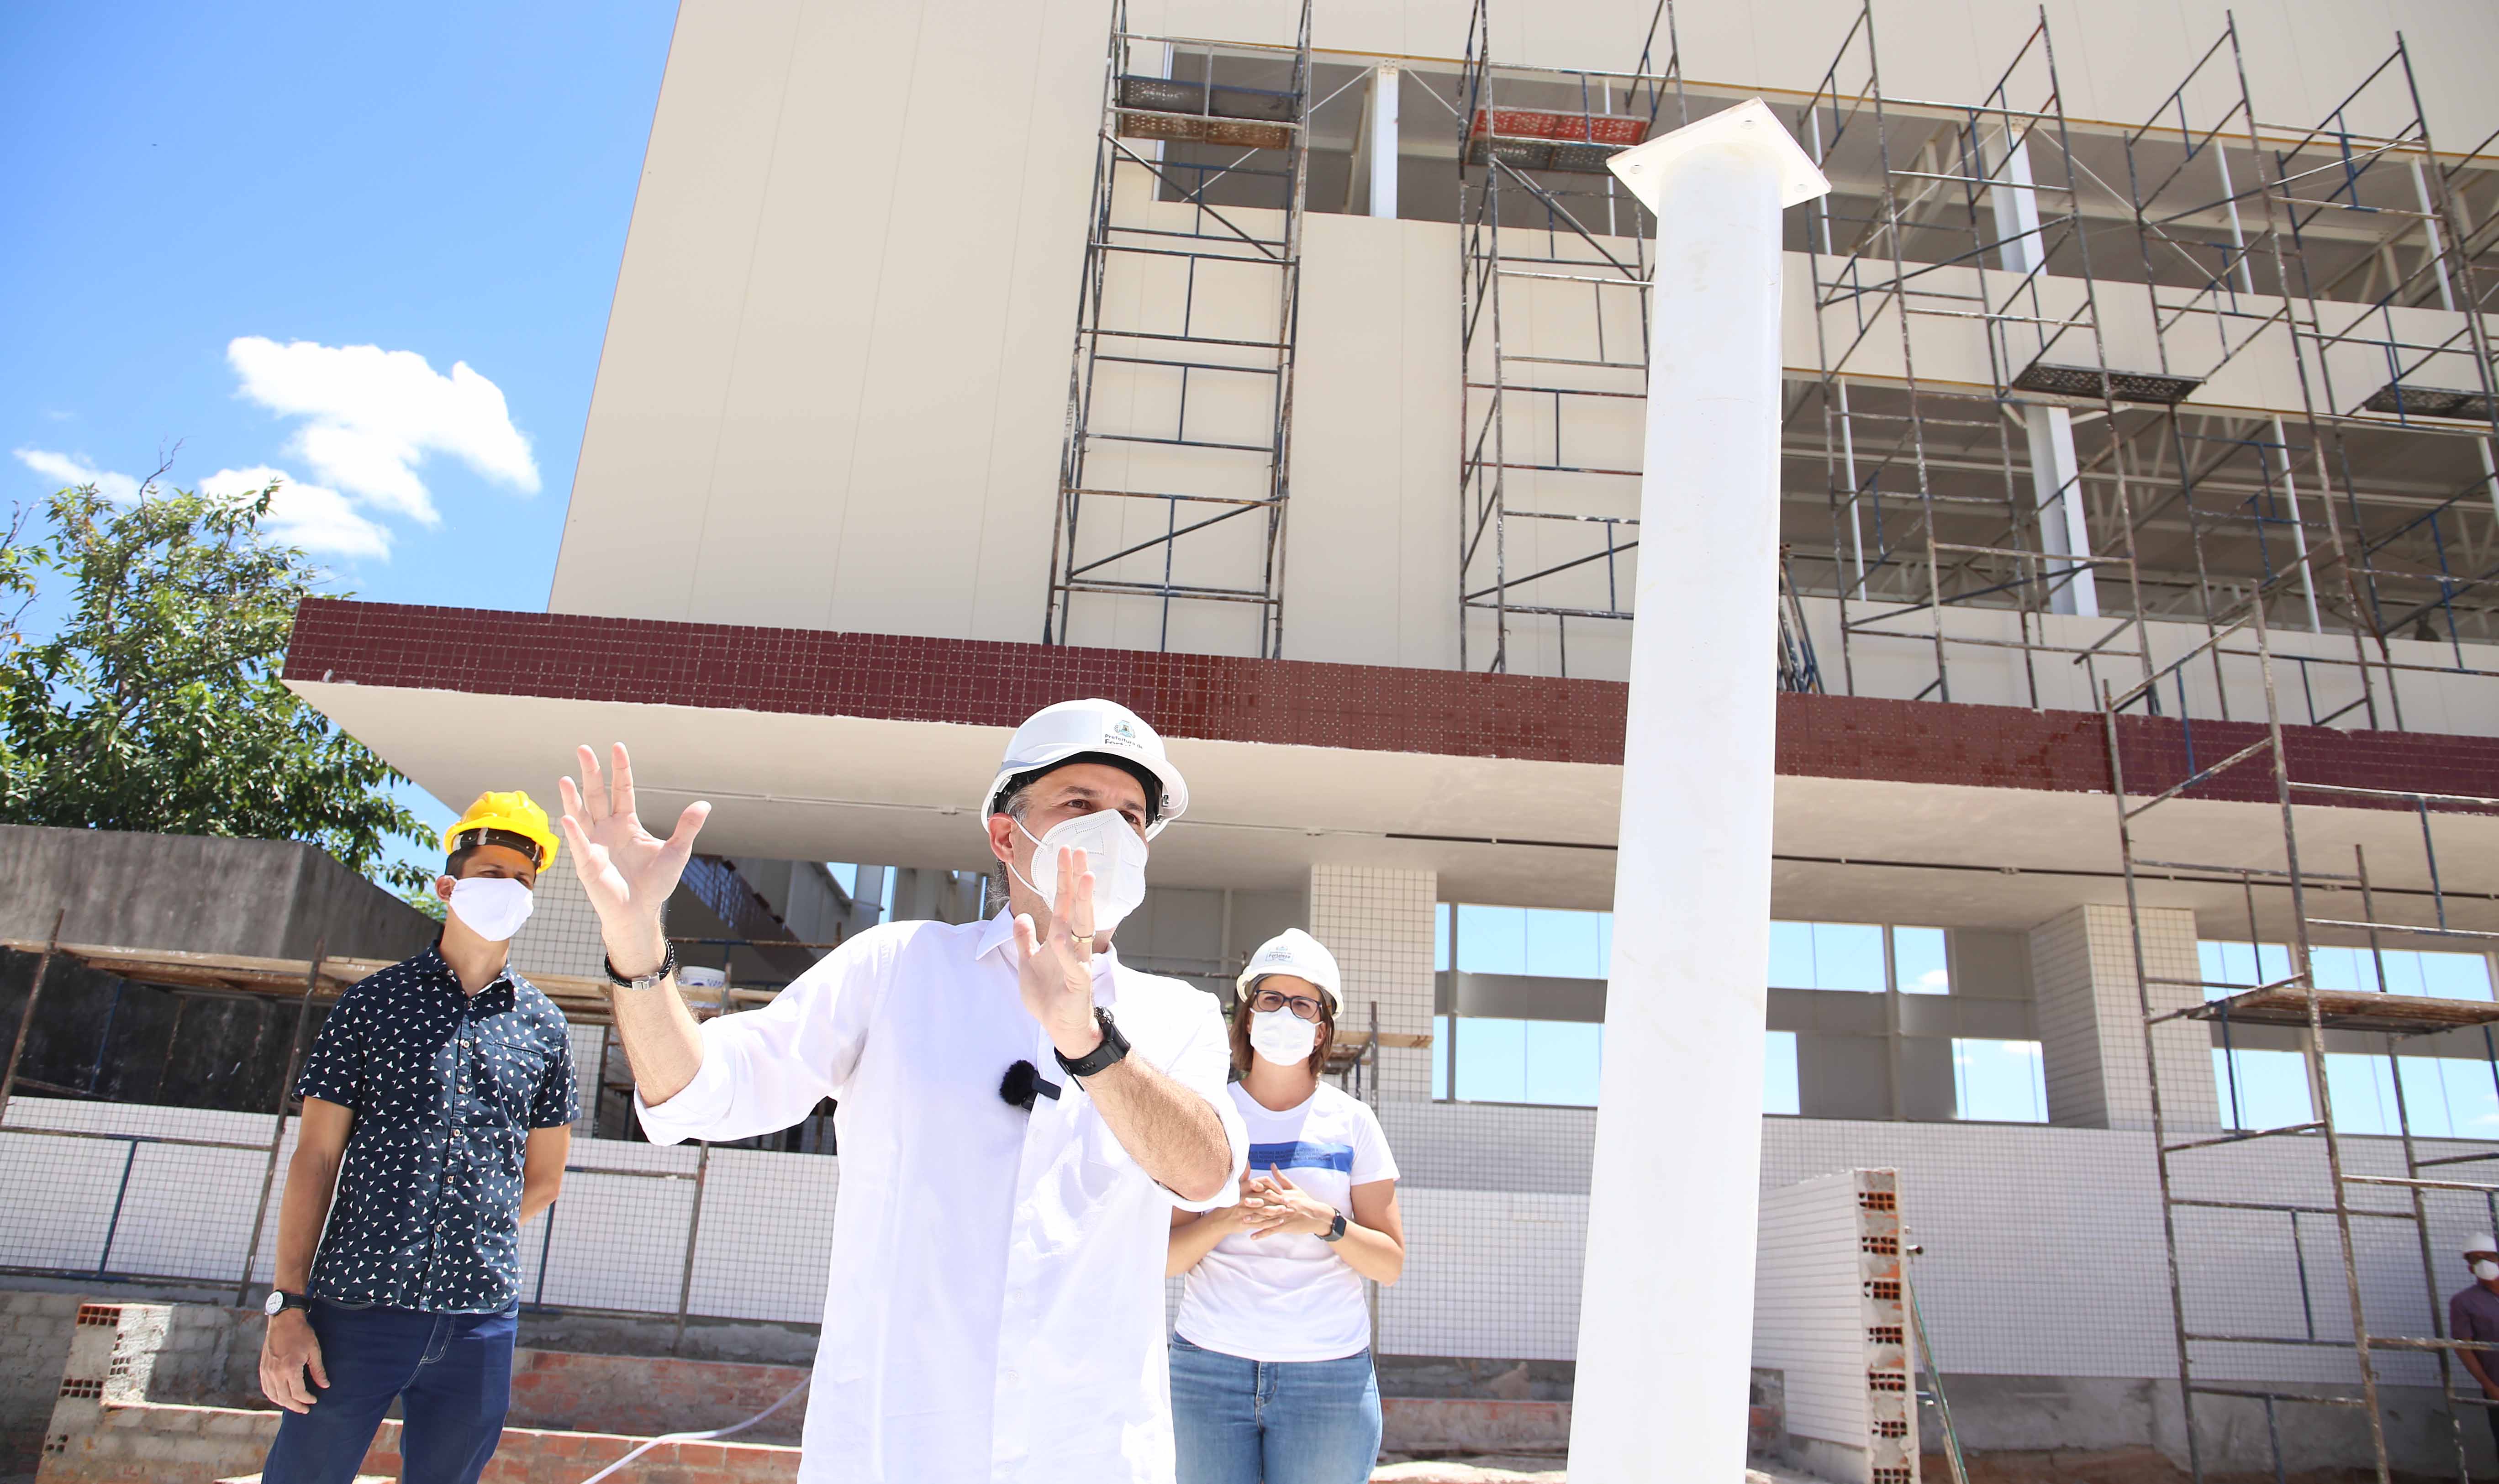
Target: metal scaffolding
2082	488
1175	473
1549	486
2214	1363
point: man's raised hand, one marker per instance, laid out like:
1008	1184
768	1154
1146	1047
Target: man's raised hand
627	871
1055	972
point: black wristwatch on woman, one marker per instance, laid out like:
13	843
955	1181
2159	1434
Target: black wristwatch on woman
1336	1229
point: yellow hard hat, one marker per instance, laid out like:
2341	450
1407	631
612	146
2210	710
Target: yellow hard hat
513	813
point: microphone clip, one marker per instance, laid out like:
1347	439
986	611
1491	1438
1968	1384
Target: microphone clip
1023	1084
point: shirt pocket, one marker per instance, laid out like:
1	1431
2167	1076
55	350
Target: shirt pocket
505	1069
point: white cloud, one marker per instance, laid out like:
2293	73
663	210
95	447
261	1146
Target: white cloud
306	515
375	415
63	470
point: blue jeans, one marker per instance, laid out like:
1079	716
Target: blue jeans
452	1375
1272	1422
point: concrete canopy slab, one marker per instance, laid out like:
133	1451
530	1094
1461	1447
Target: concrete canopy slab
851	746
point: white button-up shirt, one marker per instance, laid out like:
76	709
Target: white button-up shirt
995	1312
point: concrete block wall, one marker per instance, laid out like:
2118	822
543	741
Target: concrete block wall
35	1330
1378	923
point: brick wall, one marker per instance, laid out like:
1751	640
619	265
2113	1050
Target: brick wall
1368	708
123	1386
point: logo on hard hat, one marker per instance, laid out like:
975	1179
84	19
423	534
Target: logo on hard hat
1121	732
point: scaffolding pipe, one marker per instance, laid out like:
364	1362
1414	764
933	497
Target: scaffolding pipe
1666	1311
2056	473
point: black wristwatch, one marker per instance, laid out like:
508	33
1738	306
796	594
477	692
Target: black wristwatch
1336	1229
279	1302
651	980
1099	1059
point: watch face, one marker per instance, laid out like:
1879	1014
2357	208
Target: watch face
275	1304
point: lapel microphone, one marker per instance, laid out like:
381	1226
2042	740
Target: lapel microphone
1023	1084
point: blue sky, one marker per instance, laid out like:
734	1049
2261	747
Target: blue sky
270	234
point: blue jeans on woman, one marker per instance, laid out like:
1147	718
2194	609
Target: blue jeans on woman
452	1372
1273	1422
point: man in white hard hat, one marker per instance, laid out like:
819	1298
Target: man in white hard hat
2473	1315
1019	1115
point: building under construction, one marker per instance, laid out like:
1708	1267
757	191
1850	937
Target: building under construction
1278	369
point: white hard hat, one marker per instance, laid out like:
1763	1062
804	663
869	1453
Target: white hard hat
1077	728
2481	1242
1296	952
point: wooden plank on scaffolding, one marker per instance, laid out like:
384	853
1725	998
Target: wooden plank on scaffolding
580	996
2400	1015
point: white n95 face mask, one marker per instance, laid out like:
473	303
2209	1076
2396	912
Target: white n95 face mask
492	907
1114	851
1282	1037
2485	1270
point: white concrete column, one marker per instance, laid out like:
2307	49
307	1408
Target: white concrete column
1382	140
1666	1311
2055	476
1371	176
1378	923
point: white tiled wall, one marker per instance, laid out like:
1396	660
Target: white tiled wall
2043	1252
562	934
2091	1020
1378	924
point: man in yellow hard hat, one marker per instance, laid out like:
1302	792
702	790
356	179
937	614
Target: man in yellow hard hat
444	1084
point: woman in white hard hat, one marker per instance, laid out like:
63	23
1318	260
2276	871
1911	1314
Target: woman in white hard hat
1271	1357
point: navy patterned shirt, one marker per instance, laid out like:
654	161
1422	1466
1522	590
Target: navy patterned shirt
445	1087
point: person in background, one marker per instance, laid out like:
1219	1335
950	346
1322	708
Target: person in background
2473	1315
1271	1352
444	1083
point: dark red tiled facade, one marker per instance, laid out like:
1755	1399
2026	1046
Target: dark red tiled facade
1364	708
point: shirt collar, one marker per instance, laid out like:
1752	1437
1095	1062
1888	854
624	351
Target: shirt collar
997	936
435	967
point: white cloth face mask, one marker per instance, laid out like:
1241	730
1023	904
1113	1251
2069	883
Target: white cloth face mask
1114	851
2485	1270
492	907
1282	1037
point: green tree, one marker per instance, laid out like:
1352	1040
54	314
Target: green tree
154	704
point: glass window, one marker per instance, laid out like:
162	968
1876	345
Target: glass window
2450	975
2346	969
1492	940
1779	1073
1440	1058
1999	1082
2406	971
2261	1089
1826	956
1919	960
2227	966
1563	1061
2445	1097
1491	1060
2452	1097
845	875
1568	945
1439	937
2363	1093
1792	956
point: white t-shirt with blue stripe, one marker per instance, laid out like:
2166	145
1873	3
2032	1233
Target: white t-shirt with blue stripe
1291	1298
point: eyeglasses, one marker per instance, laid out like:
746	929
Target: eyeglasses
1276	999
